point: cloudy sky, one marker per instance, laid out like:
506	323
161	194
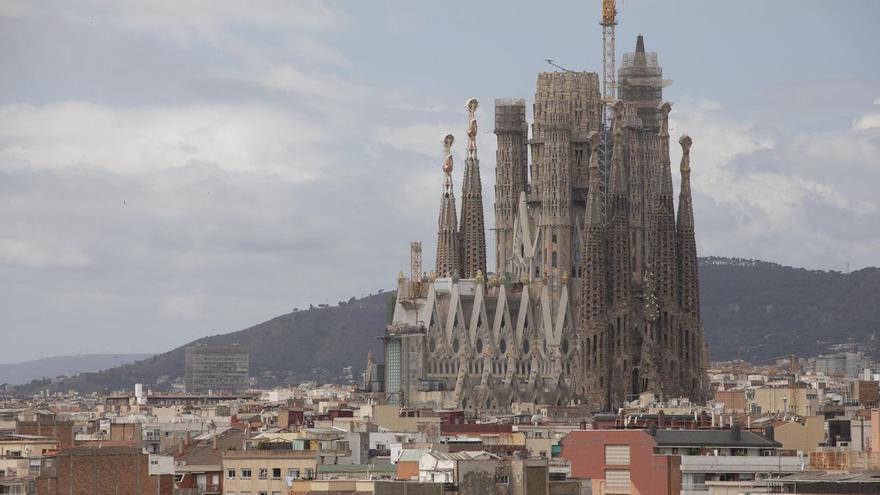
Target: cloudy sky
173	169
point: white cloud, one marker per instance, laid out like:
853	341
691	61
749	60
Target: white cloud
870	120
203	20
236	137
424	139
28	254
290	79
867	121
198	305
760	188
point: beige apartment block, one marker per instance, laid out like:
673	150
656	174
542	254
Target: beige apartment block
25	446
266	472
788	400
801	437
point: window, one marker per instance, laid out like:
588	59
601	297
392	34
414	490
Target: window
617	481
617	455
230	473
264	473
264	493
245	472
293	473
276	473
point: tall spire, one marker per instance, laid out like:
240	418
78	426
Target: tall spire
594	194
447	227
593	296
687	246
685	204
592	305
473	229
618	231
663	228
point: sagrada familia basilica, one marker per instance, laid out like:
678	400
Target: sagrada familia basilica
594	297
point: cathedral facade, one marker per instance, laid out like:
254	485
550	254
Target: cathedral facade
594	296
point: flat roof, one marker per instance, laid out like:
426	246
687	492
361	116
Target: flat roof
712	438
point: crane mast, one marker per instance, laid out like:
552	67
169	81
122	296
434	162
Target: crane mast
609	20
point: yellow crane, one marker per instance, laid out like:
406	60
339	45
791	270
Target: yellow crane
609	20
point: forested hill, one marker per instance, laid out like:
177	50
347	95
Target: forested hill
758	309
312	344
765	310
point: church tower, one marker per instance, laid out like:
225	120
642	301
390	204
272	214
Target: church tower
511	174
566	111
592	310
473	228
691	346
448	264
640	82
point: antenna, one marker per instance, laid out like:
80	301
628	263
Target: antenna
550	61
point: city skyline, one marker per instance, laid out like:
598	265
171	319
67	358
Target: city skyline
179	176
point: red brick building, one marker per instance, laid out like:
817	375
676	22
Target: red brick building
622	461
101	471
61	431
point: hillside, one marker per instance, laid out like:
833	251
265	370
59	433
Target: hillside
312	344
762	310
51	367
766	310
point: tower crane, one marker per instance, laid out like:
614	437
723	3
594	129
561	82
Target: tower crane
609	86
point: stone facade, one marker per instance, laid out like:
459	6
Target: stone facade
595	296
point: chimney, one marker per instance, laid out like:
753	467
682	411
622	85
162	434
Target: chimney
736	432
186	439
661	419
214	440
769	433
583	424
179	446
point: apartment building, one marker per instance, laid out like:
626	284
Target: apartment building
266	472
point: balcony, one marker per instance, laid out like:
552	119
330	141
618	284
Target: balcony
694	489
208	489
290	454
742	464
